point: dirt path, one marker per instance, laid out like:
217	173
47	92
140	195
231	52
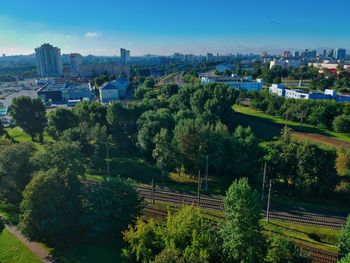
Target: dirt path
40	252
324	139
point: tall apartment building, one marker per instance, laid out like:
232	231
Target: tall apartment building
75	61
339	54
49	61
124	56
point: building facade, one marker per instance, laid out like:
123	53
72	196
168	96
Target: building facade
62	93
49	61
339	54
124	56
75	62
113	90
238	83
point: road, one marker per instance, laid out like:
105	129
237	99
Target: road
8	99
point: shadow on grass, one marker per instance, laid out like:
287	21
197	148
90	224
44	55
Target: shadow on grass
89	253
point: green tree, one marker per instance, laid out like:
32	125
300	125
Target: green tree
341	123
15	169
65	156
144	240
91	113
186	237
60	120
29	114
108	208
164	152
51	207
282	250
345	259
149	124
344	240
243	240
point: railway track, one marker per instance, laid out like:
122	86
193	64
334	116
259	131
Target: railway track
317	255
216	204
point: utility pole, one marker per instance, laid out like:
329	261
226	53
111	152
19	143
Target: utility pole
263	184
199	187
206	174
153	190
107	161
268	203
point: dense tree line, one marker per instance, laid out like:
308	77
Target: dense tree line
301	167
188	236
323	114
55	207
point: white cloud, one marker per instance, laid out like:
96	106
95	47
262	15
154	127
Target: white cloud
92	34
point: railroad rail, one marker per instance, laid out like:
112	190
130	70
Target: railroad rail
218	205
317	255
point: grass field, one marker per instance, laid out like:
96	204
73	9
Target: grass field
267	126
12	250
18	135
317	237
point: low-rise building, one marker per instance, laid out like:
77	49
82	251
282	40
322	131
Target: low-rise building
285	63
61	93
238	83
114	90
328	94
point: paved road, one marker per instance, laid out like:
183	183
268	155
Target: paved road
8	99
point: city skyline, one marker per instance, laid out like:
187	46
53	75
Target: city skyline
158	28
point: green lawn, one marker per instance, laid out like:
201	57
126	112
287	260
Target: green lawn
19	135
313	236
267	126
107	253
12	250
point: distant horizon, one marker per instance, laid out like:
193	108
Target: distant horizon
164	27
255	51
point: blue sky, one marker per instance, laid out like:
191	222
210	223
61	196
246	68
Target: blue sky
164	27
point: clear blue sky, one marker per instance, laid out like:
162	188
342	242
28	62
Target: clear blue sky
164	27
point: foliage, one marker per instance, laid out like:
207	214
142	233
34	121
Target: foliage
149	124
242	235
341	123
164	151
51	207
282	250
305	167
345	259
91	113
15	169
344	240
65	156
144	241
60	120
321	113
186	237
343	162
29	114
108	207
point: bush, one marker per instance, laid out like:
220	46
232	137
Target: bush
341	124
